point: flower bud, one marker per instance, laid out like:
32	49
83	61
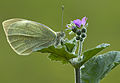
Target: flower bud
83	35
81	39
78	32
62	43
74	29
77	37
83	30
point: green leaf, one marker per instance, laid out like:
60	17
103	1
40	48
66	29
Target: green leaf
98	66
92	52
58	54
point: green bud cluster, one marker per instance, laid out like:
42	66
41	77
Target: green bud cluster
80	33
74	29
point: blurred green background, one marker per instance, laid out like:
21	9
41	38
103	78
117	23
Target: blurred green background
104	26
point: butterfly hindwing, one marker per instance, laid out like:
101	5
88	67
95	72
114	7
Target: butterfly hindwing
26	36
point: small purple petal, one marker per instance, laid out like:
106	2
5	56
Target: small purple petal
67	26
73	27
77	22
70	28
84	19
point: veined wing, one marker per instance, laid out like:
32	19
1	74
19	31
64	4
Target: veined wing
26	36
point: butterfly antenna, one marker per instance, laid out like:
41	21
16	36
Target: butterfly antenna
62	18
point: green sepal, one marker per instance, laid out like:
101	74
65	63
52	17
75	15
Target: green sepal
71	45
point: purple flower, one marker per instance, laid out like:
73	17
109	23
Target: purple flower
77	22
84	19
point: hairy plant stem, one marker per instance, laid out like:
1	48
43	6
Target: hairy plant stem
80	49
77	70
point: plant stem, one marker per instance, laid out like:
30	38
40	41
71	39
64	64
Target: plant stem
80	48
77	75
77	70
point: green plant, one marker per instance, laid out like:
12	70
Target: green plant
89	67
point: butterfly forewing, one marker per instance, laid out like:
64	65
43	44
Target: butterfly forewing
26	36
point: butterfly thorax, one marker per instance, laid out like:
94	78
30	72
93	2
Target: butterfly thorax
60	36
